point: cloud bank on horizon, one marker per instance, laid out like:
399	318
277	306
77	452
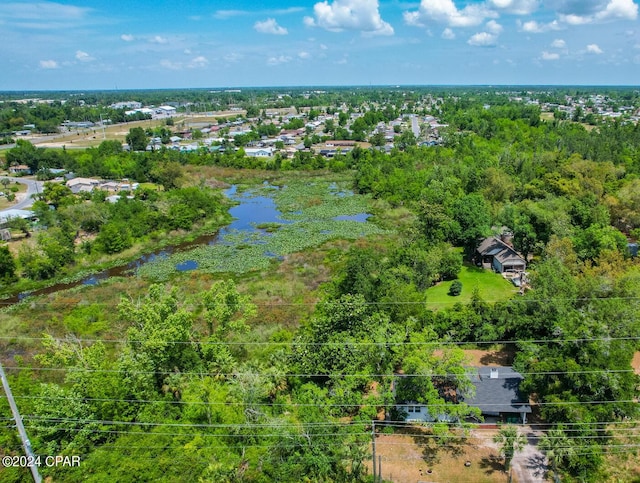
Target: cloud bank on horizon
144	44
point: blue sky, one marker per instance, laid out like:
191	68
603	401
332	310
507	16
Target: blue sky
96	44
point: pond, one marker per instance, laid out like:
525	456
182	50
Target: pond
259	233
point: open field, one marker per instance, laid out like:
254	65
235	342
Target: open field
492	288
89	137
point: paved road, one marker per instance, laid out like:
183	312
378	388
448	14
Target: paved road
530	465
415	127
33	187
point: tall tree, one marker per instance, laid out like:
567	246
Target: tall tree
137	139
7	266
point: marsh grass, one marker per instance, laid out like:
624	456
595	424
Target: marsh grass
310	205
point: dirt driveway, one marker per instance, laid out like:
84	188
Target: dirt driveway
530	465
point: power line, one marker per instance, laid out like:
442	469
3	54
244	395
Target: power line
402	424
292	404
345	302
306	375
301	432
305	437
316	344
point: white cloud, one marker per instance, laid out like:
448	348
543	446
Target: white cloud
48	64
225	14
362	15
43	16
42	11
594	49
83	56
448	34
233	57
195	63
157	39
167	64
572	19
482	39
590	11
534	27
558	44
517	7
127	37
270	26
199	61
281	59
445	11
323	47
550	56
626	9
304	55
493	27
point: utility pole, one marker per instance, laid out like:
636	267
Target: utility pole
23	434
104	134
373	443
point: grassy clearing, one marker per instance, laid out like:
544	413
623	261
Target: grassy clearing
407	458
84	138
625	465
4	203
492	286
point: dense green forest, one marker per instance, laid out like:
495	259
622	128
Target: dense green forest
276	374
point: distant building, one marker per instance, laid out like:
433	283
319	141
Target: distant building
126	105
20	169
7	215
79	185
259	152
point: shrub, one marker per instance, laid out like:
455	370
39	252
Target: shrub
456	288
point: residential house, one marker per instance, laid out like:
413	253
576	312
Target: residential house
78	185
259	152
109	186
496	254
20	169
7	215
340	143
416	412
498	394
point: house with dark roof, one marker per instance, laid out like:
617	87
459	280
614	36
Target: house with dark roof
496	254
498	394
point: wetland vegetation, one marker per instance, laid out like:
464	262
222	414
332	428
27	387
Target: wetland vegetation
263	351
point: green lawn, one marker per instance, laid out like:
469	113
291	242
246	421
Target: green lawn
493	288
